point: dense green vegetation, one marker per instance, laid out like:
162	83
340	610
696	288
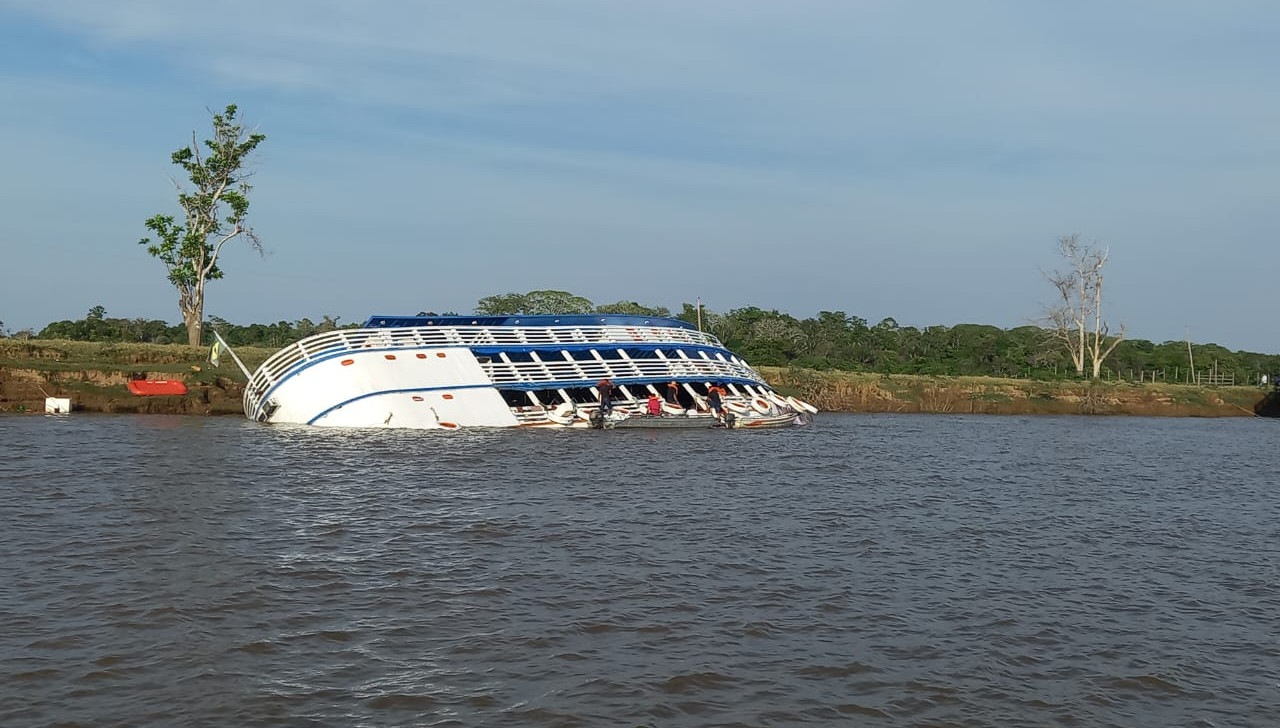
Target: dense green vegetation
832	341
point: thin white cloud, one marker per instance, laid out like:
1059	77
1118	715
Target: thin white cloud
846	134
801	75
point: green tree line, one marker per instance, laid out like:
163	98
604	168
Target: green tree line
833	340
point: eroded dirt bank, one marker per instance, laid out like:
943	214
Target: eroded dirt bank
105	391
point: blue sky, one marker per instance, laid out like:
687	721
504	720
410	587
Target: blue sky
883	158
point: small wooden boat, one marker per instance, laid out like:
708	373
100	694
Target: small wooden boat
702	421
647	421
788	419
154	387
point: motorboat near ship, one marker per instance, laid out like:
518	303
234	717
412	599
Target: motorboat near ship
693	420
447	372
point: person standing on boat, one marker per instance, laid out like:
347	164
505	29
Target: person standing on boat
605	388
673	393
655	404
713	398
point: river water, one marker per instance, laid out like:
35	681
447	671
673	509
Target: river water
871	570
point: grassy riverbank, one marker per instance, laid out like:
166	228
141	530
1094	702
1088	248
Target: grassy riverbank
94	376
854	392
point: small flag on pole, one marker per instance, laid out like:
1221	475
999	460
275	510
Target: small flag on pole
215	352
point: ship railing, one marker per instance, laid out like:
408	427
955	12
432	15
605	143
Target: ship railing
329	343
531	415
550	371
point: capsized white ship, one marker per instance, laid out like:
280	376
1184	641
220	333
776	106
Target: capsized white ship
430	372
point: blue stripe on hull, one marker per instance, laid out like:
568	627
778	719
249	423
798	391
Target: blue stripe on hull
340	405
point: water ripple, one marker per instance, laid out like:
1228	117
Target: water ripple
886	570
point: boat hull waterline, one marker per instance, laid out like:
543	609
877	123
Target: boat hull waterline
450	372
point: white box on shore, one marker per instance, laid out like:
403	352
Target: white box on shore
57	405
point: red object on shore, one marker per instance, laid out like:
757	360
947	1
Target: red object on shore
150	387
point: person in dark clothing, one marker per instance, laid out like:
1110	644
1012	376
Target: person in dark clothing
713	399
673	393
605	388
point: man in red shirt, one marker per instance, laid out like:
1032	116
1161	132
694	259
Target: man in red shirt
655	404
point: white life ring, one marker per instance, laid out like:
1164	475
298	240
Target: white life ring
672	409
737	408
761	405
778	399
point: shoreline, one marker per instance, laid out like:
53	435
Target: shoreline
94	376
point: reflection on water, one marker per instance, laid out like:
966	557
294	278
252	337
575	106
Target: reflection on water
869	570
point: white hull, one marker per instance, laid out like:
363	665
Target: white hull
443	386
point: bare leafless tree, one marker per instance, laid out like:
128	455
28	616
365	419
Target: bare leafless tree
1076	320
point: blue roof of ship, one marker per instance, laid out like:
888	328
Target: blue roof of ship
600	319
